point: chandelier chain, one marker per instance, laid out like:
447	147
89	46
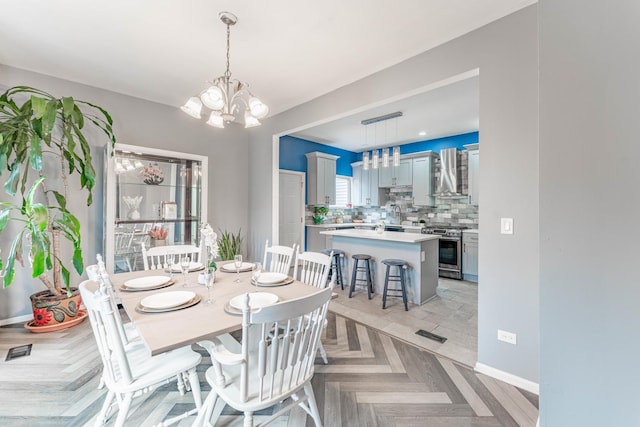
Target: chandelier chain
228	73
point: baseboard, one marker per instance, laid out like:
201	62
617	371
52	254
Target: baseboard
18	319
508	378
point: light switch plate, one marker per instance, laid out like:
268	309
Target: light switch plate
506	225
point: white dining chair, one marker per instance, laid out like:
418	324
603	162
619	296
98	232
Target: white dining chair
279	258
270	368
123	249
313	269
156	258
129	374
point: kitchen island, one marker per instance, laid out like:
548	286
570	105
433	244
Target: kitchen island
419	250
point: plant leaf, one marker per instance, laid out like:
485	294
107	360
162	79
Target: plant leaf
67	106
11	186
35	153
62	202
38	105
4	219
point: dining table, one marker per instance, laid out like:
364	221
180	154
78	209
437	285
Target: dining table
165	331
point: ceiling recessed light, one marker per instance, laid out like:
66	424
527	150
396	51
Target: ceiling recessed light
422	133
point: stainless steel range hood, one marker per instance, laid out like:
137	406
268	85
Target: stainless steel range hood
448	184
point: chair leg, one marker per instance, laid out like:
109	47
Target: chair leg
313	407
195	387
323	353
248	419
206	409
106	406
123	410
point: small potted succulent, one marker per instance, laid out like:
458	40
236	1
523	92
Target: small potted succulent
319	213
158	236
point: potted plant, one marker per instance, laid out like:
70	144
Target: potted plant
158	235
43	146
229	244
319	212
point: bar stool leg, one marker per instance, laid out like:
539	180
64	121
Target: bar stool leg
386	285
369	281
339	271
404	287
353	277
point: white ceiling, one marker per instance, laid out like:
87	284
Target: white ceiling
448	110
290	51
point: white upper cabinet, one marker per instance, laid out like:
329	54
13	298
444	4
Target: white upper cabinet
474	169
364	186
321	178
423	180
396	176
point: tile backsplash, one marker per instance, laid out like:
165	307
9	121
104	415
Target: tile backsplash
448	211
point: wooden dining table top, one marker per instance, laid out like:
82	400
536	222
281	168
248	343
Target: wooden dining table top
174	329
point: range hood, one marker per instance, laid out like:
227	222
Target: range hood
448	183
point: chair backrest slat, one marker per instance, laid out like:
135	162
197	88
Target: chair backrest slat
281	258
313	268
103	320
156	258
289	336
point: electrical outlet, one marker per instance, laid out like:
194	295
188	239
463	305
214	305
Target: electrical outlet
508	337
383	215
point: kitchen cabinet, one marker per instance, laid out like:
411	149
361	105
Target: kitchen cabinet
317	242
321	178
396	176
147	188
364	186
473	169
470	242
423	177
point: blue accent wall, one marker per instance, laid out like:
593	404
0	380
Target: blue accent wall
435	145
293	150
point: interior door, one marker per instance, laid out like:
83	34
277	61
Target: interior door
291	208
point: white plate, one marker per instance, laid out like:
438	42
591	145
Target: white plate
256	300
268	278
167	299
146	282
193	266
231	267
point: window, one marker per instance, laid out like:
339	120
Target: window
343	190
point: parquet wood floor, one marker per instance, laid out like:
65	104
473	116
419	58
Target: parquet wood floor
372	379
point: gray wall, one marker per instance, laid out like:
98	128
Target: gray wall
506	54
589	151
140	122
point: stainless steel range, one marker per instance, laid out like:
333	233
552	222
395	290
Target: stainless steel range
450	253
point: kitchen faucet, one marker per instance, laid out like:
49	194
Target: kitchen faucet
397	212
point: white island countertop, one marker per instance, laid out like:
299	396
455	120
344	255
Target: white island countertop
389	236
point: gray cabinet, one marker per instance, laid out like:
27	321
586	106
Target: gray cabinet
470	256
364	186
474	165
321	178
423	177
396	176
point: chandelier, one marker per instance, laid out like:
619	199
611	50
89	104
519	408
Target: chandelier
374	157
226	97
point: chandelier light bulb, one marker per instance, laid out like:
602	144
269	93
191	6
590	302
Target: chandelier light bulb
258	109
215	120
193	107
249	120
213	98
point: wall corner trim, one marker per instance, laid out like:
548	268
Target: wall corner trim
508	378
18	319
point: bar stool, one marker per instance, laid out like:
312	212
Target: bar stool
402	266
365	267
337	264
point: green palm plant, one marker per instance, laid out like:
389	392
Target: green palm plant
45	129
229	244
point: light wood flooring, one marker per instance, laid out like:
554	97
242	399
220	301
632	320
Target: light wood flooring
372	379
